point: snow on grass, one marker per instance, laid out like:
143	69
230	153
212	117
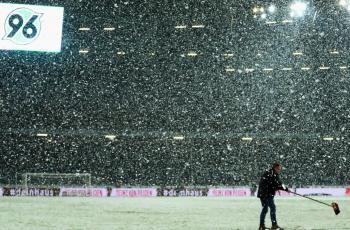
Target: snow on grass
36	213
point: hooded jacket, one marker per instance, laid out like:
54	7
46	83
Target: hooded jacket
269	184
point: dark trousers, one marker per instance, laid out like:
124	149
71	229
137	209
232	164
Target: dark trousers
268	203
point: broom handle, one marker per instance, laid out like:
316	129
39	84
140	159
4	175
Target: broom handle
310	198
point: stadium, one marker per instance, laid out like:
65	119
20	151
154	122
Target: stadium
164	114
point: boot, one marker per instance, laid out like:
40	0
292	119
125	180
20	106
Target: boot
262	227
276	227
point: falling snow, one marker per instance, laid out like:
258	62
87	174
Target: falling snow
177	86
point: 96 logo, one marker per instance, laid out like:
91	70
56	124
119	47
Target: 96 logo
22	26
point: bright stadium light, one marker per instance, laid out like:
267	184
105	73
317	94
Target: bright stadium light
198	26
192	54
180	137
230	70
181	27
247	138
41	134
272	9
297	53
84	51
110	137
228	55
271	22
109	28
84	29
345	4
263	13
298	9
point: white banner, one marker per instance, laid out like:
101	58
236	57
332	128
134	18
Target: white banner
188	191
284	193
321	191
30	27
229	192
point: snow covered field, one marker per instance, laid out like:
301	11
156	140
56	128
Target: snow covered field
36	213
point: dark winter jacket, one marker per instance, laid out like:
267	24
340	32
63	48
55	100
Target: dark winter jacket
269	184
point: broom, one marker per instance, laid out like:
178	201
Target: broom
333	205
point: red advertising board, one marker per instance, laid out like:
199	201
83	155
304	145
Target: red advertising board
347	191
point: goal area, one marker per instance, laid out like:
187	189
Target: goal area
56	180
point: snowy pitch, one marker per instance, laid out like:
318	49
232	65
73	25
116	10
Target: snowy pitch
165	213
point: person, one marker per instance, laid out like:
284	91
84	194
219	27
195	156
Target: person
253	188
268	185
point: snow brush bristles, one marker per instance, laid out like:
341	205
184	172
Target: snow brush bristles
334	205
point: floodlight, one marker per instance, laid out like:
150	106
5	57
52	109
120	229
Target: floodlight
272	9
342	2
298	9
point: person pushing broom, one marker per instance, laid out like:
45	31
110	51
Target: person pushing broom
268	185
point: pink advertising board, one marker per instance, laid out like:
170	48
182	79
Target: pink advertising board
227	192
134	192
